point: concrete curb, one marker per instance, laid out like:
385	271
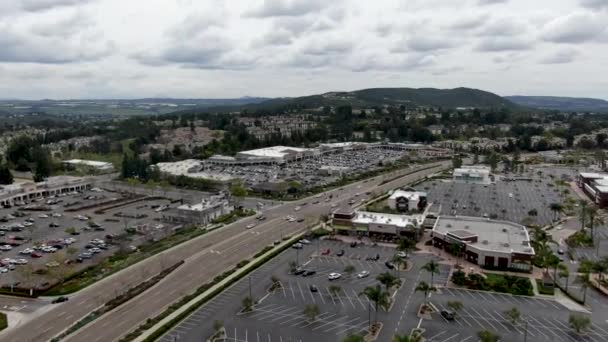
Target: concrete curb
234	276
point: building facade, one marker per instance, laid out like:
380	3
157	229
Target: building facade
23	193
472	174
405	201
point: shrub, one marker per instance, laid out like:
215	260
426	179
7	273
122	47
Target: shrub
459	278
3	321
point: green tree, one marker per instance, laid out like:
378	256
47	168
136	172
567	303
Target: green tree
238	192
350	269
406	246
556	208
583	213
564	273
425	288
6	177
387	279
247	304
376	295
335	290
513	315
456	161
311	311
579	323
42	170
353	338
455	305
492	159
487	336
593	219
433	268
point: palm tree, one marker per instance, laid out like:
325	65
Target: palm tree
583	213
455	305
426	289
387	279
406	245
350	269
556	208
335	289
376	295
432	267
579	323
593	219
513	315
564	273
399	262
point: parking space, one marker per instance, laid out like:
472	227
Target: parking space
546	319
69	229
521	201
279	315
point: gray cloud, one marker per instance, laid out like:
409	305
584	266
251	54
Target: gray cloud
276	37
575	28
561	57
328	47
492	2
421	43
503	27
287	8
468	23
595	4
20	48
497	44
394	62
43	5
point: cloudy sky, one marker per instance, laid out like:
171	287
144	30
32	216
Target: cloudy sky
232	48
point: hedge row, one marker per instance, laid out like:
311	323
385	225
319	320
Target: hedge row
3	321
167	326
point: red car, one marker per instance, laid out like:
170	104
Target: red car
36	255
326	252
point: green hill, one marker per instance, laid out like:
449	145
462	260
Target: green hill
446	98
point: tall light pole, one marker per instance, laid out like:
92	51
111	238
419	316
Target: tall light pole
525	330
250	297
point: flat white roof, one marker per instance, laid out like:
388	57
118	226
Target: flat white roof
593	175
180	167
273	151
410	195
367	217
492	235
93	163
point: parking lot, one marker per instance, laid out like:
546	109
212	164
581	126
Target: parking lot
309	171
278	315
507	200
547	320
52	232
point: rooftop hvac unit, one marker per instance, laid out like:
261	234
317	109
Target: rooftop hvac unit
484	242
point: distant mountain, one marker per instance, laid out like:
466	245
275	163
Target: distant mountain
446	98
568	104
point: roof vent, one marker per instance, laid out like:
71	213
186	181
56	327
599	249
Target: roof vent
504	230
466	227
505	244
449	225
484	242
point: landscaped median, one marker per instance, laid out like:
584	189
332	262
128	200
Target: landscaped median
3	321
159	325
117	301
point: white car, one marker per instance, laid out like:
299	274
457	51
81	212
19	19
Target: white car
20	261
251	225
363	274
27	251
334	276
6	248
27	224
43	216
56	215
6	261
49	249
297	208
94	250
3	270
401	255
304	241
52	264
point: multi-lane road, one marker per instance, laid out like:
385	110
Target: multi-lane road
205	256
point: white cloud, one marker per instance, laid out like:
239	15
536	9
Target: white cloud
218	48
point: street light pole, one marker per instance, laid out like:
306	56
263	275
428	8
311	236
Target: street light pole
525	330
369	316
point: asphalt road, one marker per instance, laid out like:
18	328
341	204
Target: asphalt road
206	257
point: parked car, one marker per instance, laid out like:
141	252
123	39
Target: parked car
353	244
374	258
5	247
54	225
304	242
36	255
389	265
402	255
340	253
309	273
299	271
326	252
297	246
313	288
448	315
251	225
334	276
363	274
